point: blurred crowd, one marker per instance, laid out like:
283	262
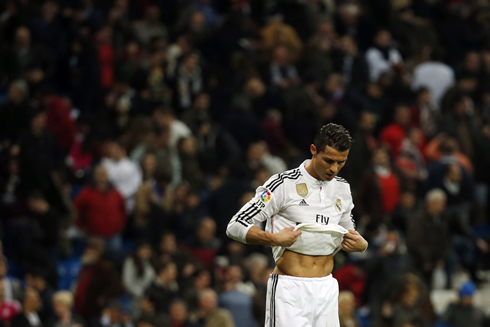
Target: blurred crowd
131	131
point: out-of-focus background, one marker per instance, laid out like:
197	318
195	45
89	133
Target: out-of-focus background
131	131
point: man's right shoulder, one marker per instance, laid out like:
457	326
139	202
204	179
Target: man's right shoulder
277	180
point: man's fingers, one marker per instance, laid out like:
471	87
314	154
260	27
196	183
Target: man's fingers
289	228
297	233
351	237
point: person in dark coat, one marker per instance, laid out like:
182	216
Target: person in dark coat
428	235
98	282
29	317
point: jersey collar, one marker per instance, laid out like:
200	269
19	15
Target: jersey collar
310	179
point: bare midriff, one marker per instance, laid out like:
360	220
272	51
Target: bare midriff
301	265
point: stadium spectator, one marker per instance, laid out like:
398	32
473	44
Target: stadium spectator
29	317
98	282
428	228
101	209
63	315
383	56
138	273
210	314
462	312
123	173
347	314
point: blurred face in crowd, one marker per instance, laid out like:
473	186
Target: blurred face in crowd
197	21
367	122
2	292
328	162
349	14
348	44
383	39
202	102
90	256
402	116
157	59
207	230
346	304
234	274
281	56
152	14
115	151
144	324
472	62
50	9
178	312
256	151
147	306
168	243
144	251
169	274
3	268
381	158
38	123
334	83
410	295
424	97
15	93
101	177
189	146
114	314
326	28
191	62
32	301
466	301
202	280
23	37
38	205
208	301
149	164
36	282
407	200
461	107
436	206
60	308
453	173
255	87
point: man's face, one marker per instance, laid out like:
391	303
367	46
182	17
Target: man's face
327	163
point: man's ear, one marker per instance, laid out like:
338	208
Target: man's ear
313	150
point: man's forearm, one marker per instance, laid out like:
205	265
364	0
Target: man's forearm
257	236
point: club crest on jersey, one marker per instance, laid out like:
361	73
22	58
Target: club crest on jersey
302	189
338	205
266	196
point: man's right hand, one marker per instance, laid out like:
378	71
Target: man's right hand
287	237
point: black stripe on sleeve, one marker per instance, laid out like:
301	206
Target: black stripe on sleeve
281	177
282	181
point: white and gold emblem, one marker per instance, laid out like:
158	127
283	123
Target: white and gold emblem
302	189
338	205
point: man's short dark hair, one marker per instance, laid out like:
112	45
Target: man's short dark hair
335	136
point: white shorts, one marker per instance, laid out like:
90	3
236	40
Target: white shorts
302	302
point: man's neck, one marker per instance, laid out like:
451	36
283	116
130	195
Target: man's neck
310	170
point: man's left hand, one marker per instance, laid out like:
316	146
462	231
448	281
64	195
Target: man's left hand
354	242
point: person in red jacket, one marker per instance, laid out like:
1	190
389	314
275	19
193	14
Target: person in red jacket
393	135
101	210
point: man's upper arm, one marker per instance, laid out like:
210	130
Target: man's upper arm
267	202
347	219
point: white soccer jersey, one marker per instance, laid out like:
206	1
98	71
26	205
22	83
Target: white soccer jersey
295	197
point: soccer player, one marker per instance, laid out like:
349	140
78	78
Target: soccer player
308	213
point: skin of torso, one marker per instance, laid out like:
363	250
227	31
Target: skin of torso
301	265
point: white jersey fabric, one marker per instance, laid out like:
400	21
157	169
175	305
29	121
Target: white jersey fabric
320	209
